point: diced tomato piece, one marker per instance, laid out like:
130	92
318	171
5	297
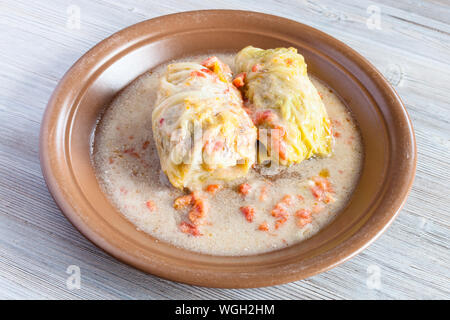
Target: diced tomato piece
145	144
197	73
161	121
150	205
263	226
183	201
249	213
279	210
256	67
199	206
303	217
209	62
280	221
198	211
287	199
244	188
238	83
336	134
268	116
189	229
303	213
278	144
289	61
303	222
217	66
263	194
300	197
317	192
239	80
321	188
282	151
213	188
323	183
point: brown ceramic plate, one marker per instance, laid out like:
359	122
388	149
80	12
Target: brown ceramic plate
81	96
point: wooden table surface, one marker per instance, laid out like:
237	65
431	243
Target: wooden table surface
408	41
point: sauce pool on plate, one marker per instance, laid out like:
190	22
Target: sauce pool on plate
269	209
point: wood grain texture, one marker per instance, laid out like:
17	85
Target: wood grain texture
37	244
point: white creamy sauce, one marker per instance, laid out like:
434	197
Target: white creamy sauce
127	167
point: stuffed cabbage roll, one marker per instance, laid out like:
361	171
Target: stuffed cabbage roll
201	130
281	99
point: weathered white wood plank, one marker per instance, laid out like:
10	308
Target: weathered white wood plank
37	243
